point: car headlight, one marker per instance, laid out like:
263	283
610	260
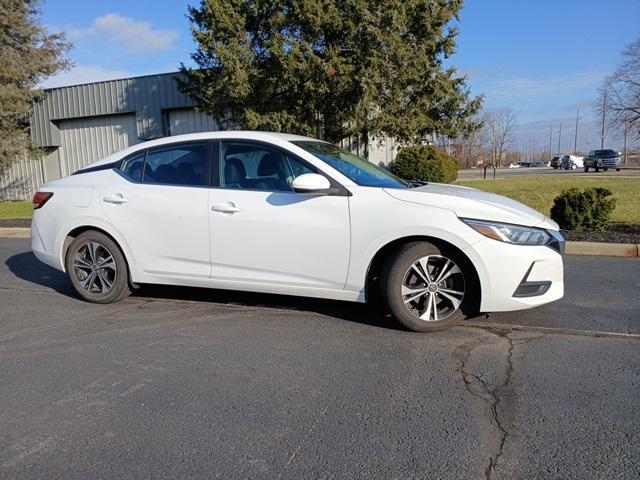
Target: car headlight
504	232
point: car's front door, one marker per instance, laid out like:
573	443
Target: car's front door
264	232
159	203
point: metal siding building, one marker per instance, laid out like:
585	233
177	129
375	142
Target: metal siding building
79	124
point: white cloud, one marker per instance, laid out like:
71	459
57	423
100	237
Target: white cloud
137	36
503	87
83	74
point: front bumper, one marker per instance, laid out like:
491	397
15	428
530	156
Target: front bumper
607	162
503	268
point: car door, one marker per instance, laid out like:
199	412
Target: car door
264	232
158	200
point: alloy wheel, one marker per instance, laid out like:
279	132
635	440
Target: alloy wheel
94	268
433	288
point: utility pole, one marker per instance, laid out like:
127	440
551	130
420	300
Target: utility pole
575	141
493	134
626	131
604	112
550	142
588	147
530	150
560	139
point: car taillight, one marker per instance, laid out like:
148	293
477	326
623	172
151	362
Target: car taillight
40	198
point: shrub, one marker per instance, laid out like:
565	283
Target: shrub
583	211
426	164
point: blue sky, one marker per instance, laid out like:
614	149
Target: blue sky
543	58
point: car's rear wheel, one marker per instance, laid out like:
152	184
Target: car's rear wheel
605	169
586	169
97	269
426	287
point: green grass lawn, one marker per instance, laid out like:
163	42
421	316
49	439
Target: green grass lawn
538	191
13	210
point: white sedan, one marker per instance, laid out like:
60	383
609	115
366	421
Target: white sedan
277	213
572	162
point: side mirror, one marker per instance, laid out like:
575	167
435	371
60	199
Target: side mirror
311	184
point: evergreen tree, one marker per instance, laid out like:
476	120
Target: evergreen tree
28	54
330	67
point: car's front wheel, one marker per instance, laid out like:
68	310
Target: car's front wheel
97	269
586	169
426	287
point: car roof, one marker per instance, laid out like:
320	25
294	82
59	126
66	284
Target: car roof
226	134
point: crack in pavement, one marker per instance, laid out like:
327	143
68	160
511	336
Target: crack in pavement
496	394
491	396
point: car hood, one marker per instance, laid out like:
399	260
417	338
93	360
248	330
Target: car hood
471	203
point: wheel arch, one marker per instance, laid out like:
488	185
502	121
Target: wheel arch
74	232
383	253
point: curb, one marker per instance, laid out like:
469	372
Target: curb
572	248
15	232
603	249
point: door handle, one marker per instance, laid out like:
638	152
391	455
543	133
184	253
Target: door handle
227	207
116	199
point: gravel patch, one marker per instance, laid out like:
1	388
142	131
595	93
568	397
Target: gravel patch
617	234
15	223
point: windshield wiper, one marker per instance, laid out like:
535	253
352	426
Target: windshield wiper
416	183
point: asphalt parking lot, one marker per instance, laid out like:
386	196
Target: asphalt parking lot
191	383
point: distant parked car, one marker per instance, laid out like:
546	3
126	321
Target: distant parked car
571	162
514	165
555	163
602	159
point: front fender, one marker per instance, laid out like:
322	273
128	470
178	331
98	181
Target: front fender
361	264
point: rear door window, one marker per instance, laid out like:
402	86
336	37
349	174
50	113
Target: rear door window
186	165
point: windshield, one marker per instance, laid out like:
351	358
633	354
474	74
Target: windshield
606	153
359	170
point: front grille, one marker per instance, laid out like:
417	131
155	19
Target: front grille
610	162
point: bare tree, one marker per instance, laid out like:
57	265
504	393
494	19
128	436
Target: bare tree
501	125
622	90
472	145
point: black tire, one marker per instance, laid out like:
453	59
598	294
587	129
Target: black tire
85	255
596	169
586	169
398	273
617	169
605	169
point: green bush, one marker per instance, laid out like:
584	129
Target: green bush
426	164
583	210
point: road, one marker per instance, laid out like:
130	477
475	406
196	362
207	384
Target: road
477	173
177	382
